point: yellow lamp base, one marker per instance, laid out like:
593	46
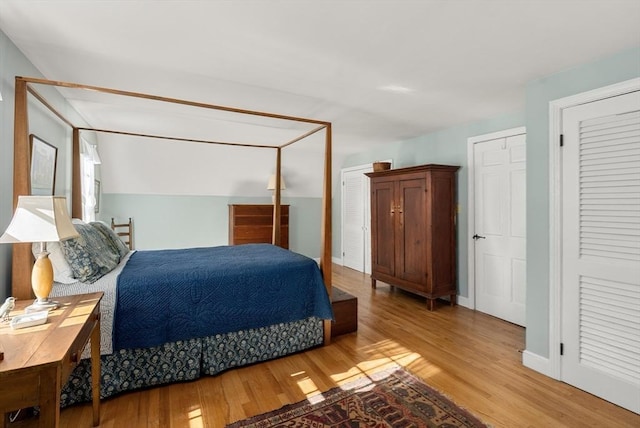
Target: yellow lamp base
42	284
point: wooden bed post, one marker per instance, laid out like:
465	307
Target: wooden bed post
325	256
276	237
22	259
76	189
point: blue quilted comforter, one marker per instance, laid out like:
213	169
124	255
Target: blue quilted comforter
171	295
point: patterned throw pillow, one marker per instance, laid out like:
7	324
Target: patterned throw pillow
61	270
89	255
117	244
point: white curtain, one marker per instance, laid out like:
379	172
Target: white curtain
89	158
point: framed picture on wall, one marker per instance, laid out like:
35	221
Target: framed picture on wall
43	166
96	194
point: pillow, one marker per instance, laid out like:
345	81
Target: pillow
61	270
89	255
118	246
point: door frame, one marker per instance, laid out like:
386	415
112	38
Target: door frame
556	107
470	300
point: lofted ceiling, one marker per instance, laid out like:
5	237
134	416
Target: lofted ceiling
380	71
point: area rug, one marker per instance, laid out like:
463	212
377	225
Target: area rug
393	398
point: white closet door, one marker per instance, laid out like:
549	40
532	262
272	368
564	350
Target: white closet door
356	248
500	227
601	249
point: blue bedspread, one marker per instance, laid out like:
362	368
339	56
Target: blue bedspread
170	295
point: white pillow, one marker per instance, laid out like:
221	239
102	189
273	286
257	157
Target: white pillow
61	270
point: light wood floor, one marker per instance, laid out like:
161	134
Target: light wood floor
471	357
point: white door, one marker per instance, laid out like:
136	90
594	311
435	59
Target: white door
601	249
356	239
500	227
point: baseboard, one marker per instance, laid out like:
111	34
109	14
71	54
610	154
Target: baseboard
464	301
537	363
334	260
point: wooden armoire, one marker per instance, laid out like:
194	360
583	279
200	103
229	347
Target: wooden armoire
413	230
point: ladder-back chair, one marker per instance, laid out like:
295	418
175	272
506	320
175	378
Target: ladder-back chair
124	231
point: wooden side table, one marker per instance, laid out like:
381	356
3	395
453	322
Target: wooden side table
38	360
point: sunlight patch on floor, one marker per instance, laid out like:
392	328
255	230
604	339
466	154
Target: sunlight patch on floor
316	398
195	418
385	355
308	387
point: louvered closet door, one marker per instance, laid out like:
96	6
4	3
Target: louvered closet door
353	232
601	249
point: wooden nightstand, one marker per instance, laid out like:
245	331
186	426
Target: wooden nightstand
38	360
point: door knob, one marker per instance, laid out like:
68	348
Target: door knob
476	237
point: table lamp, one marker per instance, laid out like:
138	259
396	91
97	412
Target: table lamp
40	219
271	185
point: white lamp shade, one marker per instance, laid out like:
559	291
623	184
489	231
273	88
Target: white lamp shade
40	219
272	183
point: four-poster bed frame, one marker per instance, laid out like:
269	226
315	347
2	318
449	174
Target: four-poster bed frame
22	262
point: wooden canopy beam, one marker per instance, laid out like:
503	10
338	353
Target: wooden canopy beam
305	135
44	102
169	100
188	140
22	257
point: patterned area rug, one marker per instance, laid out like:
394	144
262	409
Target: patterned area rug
390	399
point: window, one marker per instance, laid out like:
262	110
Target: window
89	158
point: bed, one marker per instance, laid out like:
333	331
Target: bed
175	315
197	331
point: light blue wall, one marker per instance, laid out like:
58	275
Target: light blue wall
448	147
165	221
607	71
14	63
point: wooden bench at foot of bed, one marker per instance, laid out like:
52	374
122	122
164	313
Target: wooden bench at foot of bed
345	311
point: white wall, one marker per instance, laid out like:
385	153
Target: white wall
133	165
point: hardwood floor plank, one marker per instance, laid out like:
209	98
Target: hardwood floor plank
473	358
149	407
213	405
234	394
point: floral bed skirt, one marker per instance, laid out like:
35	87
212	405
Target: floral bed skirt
131	369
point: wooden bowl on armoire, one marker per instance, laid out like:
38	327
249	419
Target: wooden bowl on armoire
381	166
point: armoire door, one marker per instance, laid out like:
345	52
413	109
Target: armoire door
441	212
383	215
411	240
601	249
